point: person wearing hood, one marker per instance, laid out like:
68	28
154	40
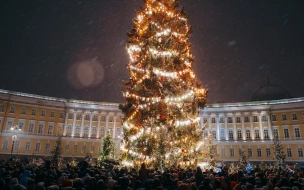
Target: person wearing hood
24	178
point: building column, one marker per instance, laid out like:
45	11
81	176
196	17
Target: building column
74	124
269	126
90	125
243	127
66	122
226	128
218	137
114	127
234	127
98	126
251	128
82	123
261	127
107	122
209	122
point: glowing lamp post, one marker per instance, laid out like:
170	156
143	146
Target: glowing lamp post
15	129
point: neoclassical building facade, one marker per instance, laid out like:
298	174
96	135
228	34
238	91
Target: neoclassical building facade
37	121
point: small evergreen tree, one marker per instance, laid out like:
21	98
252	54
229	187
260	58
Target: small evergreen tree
56	153
211	154
107	148
243	158
279	155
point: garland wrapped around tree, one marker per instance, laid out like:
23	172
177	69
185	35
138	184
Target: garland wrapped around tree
243	158
161	124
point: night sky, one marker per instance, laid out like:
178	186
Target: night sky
76	49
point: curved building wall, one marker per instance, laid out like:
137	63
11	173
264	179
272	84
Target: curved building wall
249	125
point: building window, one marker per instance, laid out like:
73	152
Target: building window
67	147
43	113
249	152
86	131
255	118
239	133
214	134
61	115
264	119
248	133
103	118
273	117
268	152
27	146
12	110
221	120
95	118
75	148
37	149
294	116
23	111
213	120
1	108
284	118
297	132
300	152
259	152
70	116
286	133
78	116
223	152
93	131
16	145
52	114
231	152
31	128
111	119
246	119
289	152
87	117
9	124
92	149
238	119
77	130
275	132
205	120
118	132
21	125
102	132
69	130
5	145
229	119
40	128
230	134
50	130
266	134
222	133
47	147
34	112
257	133
83	150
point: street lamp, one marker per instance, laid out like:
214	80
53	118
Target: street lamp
15	129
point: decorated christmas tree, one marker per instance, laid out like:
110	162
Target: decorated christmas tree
210	153
107	148
56	153
243	158
161	124
279	155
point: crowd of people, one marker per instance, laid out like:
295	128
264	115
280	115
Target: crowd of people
20	175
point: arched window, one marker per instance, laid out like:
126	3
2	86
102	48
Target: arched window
77	130
239	133
93	131
222	133
230	134
69	130
257	133
266	136
248	133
